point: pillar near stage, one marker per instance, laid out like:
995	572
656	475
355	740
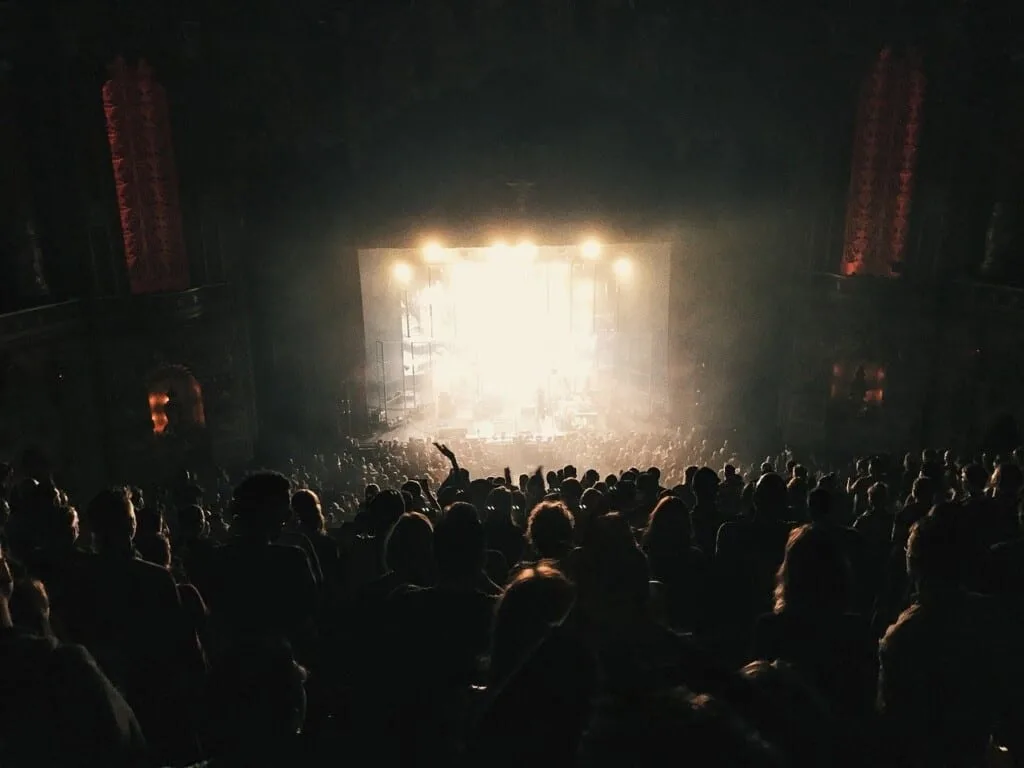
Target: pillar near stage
23	268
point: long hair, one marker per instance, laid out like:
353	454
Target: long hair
668	537
669	526
815	575
538	599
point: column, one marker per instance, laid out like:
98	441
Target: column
21	260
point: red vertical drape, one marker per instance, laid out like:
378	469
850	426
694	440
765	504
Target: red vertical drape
884	160
138	129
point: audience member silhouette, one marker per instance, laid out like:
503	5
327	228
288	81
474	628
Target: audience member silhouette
946	672
564	619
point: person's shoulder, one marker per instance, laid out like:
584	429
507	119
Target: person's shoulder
287	551
73	654
910	623
145	568
732	529
148	573
14	639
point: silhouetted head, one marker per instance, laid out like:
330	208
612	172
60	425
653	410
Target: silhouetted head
770	497
705	485
819	504
479	490
571	491
876	467
459	542
307	510
539	598
111	518
910	463
261	504
154	548
1007	480
622	497
549	529
409	549
814	577
499	507
975	479
612	579
878	497
934	551
383	511
829	482
192	521
30	607
593	503
518	508
669	530
925	489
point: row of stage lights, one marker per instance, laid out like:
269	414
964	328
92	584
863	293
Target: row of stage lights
589	249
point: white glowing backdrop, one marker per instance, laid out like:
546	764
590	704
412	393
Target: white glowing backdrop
508	334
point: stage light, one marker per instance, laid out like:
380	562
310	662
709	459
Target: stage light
526	249
623	268
402	272
433	251
499	249
591	249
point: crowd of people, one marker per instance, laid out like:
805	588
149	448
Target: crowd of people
653	602
341	476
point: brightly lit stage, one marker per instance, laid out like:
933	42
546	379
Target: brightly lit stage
515	341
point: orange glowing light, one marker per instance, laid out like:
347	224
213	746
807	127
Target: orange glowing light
873	387
157	413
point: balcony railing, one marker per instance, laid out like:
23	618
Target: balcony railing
69	317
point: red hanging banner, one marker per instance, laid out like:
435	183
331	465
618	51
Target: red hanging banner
138	129
884	160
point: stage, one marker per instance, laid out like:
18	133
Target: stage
509	342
